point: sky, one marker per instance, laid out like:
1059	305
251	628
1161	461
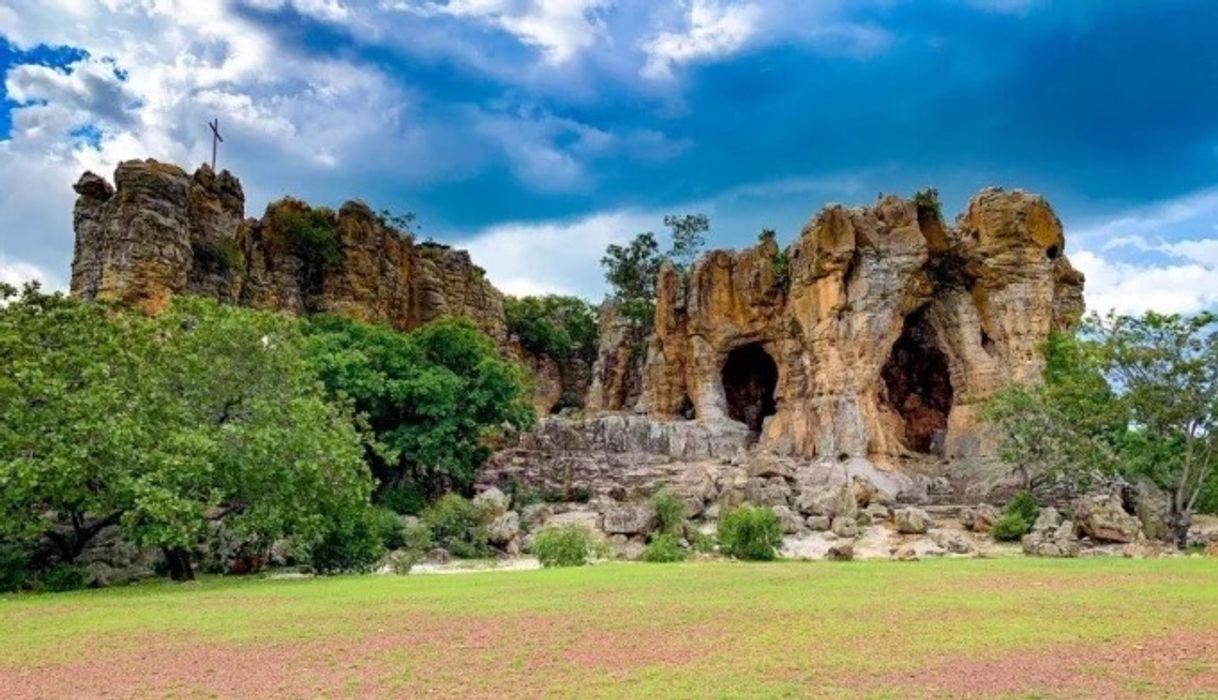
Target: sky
536	132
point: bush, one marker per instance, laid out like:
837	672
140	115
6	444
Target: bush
1010	527
350	545
1024	506
564	545
750	533
65	577
522	496
404	497
14	568
702	543
663	548
389	529
671	512
459	526
557	326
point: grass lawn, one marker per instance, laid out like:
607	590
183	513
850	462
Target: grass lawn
967	627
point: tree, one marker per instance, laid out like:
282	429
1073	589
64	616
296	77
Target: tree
687	239
433	399
162	425
1135	396
559	326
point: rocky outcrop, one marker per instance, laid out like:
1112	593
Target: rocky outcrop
878	333
160	232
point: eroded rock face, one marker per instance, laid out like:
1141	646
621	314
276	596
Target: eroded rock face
878	333
161	232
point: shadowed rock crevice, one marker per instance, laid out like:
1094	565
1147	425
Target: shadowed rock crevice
749	380
918	386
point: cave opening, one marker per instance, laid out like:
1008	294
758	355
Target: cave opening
749	380
919	386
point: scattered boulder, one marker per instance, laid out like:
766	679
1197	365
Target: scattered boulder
842	551
439	555
628	519
584	518
911	521
1052	542
1102	517
771	491
503	530
493	502
788	519
953	542
905	552
1150	506
1146	549
878	512
981	518
534	516
830	501
818	523
1049	519
845	527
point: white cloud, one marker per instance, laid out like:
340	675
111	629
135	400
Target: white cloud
713	29
1186	287
17	273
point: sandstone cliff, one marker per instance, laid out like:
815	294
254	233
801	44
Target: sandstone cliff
160	231
877	333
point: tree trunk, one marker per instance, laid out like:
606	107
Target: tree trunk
1179	520
177	561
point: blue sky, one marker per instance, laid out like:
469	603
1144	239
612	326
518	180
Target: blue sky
535	132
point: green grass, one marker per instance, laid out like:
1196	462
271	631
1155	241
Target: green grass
694	629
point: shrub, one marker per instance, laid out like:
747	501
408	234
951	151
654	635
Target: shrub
389	528
404	497
671	512
663	548
352	544
458	525
522	496
14	568
1010	527
564	545
219	256
750	533
311	234
701	542
65	577
557	326
417	538
1024	506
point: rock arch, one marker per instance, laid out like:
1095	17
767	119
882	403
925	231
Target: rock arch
750	377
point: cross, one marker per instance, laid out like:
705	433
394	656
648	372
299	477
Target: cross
216	138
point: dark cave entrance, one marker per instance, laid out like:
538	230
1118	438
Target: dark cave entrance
919	385
749	379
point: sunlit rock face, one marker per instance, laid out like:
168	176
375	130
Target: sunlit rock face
878	333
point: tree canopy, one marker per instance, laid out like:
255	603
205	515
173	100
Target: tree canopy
555	325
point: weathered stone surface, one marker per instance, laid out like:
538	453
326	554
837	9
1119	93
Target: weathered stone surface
503	529
891	331
845	527
789	520
1049	519
911	521
841	551
953	542
1212	548
1056	541
818	523
1102	517
905	552
628	519
492	501
981	518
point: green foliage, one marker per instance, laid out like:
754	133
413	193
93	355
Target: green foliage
433	399
563	545
404	497
631	270
663	548
671	512
928	200
61	577
351	545
1023	506
221	256
311	233
522	496
750	533
688	239
702	543
405	223
458	525
389	528
1135	396
559	326
1010	527
780	261
14	568
163	424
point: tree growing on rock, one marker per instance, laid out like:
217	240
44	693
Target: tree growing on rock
1135	396
162	425
631	270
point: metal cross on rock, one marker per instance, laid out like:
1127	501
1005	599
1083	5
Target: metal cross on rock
216	139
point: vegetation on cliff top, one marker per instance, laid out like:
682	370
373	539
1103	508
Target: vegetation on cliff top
562	327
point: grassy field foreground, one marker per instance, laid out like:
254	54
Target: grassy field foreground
1018	627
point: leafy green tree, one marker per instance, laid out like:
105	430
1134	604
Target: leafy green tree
688	239
433	399
559	326
1136	396
631	269
161	425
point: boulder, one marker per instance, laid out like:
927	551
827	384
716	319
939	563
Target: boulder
830	501
1150	506
845	527
842	551
1048	542
1212	548
878	512
535	515
905	552
911	521
628	519
1049	519
818	523
503	530
981	518
767	491
953	542
788	519
584	518
493	502
1102	517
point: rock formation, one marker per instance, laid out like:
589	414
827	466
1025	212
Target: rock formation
160	231
878	333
